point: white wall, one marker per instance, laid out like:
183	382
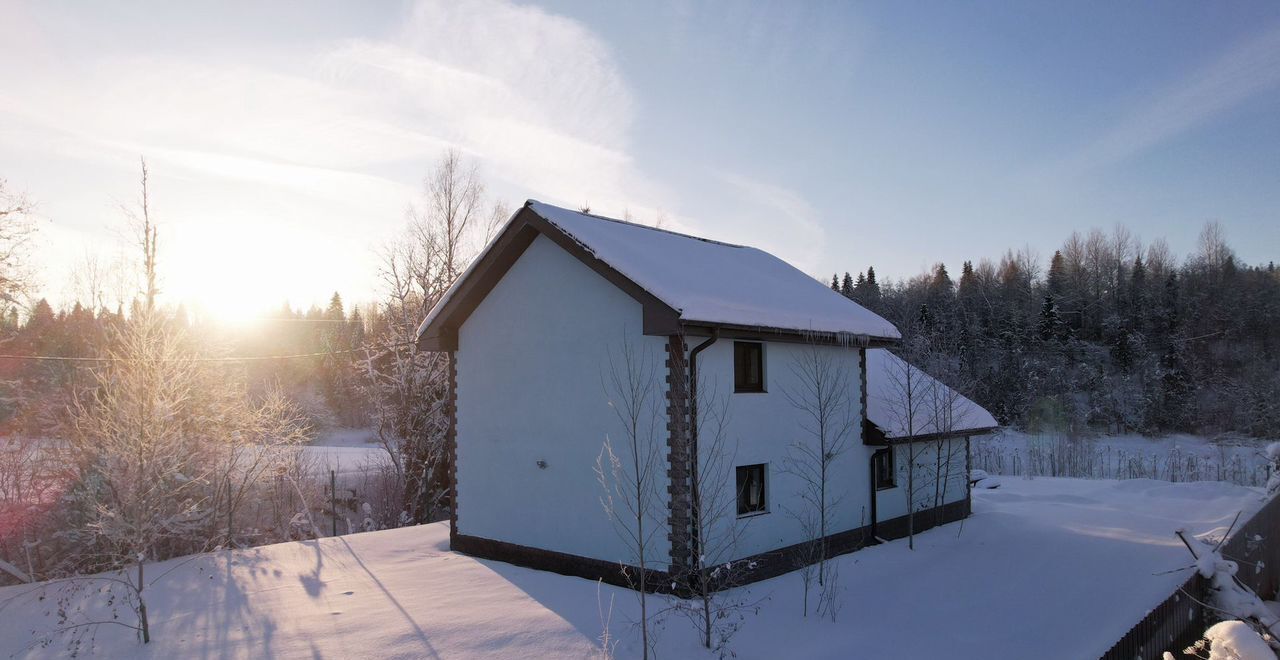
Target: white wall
760	429
531	358
892	502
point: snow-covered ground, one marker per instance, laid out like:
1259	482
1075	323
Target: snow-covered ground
1045	568
346	451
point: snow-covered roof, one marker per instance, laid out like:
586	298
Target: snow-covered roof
937	409
705	281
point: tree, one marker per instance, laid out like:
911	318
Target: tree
15	236
407	388
846	286
873	289
1050	326
630	476
164	443
1136	311
820	391
714	609
909	403
1057	281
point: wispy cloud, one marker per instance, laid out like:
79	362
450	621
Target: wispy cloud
1250	67
536	98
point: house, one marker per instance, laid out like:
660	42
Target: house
537	321
911	415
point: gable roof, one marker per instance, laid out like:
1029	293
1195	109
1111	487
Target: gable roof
680	280
886	375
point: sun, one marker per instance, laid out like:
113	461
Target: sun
221	277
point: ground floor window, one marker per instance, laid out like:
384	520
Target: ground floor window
884	474
751	489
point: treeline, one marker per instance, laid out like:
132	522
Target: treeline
140	433
310	354
1105	336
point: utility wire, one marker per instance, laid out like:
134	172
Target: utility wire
250	358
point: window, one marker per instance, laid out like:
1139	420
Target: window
751	490
883	461
748	366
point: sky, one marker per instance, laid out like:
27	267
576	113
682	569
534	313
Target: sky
287	139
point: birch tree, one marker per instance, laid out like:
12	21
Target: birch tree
630	475
821	392
408	387
16	232
907	403
716	611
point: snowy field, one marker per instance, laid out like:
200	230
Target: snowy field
1177	458
1045	568
345	451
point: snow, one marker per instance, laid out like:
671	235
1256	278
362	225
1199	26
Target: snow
708	281
346	451
884	399
1045	568
1234	640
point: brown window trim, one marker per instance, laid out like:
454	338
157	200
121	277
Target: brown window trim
892	481
738	386
764	490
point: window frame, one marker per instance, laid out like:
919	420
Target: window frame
885	482
764	490
738	387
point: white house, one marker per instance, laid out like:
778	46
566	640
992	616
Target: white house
533	329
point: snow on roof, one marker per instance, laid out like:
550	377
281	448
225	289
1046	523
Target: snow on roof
887	375
717	283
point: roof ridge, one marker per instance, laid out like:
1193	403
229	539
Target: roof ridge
639	226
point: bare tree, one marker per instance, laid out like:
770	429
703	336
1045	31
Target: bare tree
165	444
907	402
714	609
15	235
947	411
96	281
1212	250
260	441
407	387
630	476
821	392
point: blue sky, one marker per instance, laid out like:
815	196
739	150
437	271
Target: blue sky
286	140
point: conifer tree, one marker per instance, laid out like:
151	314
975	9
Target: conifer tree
1138	303
1050	327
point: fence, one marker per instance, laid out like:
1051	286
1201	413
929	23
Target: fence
1063	456
1178	621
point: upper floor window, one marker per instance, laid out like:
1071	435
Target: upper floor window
748	366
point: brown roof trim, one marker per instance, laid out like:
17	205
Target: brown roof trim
762	333
524	227
876	436
659	318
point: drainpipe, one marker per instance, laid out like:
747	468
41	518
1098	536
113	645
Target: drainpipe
694	514
875	495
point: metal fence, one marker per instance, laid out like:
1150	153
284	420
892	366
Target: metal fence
1182	617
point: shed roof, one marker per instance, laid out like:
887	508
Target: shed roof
696	281
938	410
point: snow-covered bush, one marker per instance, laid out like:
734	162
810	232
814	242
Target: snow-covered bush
1272	453
1245	632
1229	640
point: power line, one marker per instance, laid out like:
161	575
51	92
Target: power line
249	358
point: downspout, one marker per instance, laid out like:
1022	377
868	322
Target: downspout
875	496
695	540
